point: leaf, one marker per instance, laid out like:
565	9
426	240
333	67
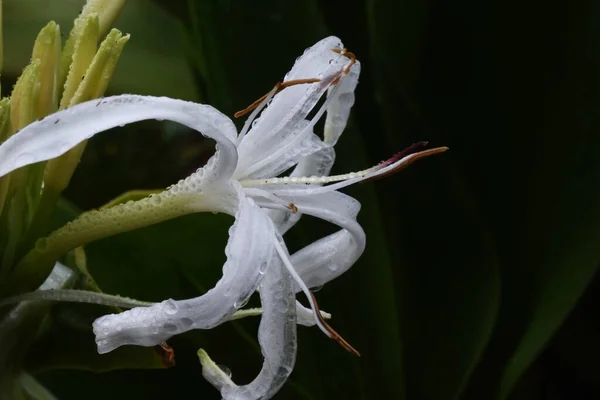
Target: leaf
445	252
79	352
155	51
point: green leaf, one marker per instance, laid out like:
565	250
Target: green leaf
84	51
47	50
157	50
52	351
444	248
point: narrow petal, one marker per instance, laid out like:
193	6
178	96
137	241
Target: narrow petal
279	122
312	185
305	316
249	254
338	110
331	256
277	338
60	132
317	164
287	154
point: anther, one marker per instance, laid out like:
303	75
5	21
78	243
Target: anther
350	55
293	207
410	158
166	353
333	334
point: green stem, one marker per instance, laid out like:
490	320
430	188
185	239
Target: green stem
98	224
34	389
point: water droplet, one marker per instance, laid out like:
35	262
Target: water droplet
263	267
170	328
156	199
241	304
170	306
225	369
186	323
316	288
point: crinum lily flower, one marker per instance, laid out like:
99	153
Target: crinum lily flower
241	179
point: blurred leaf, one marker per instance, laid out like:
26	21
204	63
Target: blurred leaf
153	63
79	352
541	213
446	253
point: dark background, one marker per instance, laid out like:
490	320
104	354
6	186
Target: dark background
478	278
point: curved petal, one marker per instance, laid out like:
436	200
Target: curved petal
338	110
249	254
331	256
287	154
317	164
279	122
306	317
277	337
61	131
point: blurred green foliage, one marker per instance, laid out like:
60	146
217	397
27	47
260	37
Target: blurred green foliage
475	258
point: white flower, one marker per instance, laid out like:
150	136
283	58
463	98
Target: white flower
241	180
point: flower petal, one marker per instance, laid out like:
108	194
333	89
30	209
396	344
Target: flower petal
306	317
338	110
317	164
60	132
331	256
282	120
287	154
277	337
249	254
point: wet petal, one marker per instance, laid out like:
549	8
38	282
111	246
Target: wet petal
306	317
338	110
277	338
249	254
331	256
287	154
60	132
279	123
317	164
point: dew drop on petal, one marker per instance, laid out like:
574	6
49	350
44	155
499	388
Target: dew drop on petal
316	288
225	369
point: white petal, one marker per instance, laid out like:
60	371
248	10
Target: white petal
331	256
338	110
58	277
59	132
287	154
249	254
317	164
279	122
306	317
277	338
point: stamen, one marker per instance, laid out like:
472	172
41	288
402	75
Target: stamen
166	353
324	326
350	55
278	88
255	192
413	148
253	115
401	159
411	158
333	334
